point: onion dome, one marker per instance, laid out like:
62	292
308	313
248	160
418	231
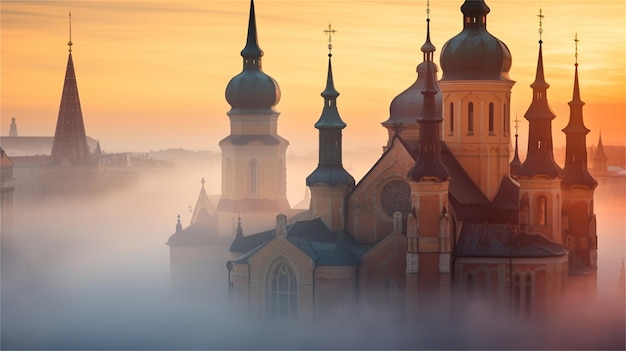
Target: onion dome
475	54
252	91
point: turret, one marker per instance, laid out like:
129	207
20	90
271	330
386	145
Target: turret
330	182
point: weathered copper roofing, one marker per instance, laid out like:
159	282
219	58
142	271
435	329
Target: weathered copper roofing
475	54
504	240
70	140
540	159
330	169
575	173
252	91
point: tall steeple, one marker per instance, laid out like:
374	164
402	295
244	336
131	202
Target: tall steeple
516	162
330	182
539	159
575	172
13	128
70	140
428	164
600	158
330	169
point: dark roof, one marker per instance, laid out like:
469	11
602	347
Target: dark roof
508	195
503	240
313	238
201	233
248	138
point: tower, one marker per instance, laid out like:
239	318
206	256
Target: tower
330	182
476	92
539	176
577	185
13	128
69	146
253	155
428	226
600	158
516	162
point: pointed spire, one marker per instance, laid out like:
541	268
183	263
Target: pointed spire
539	158
179	226
428	164
330	169
600	154
203	209
239	231
70	140
252	49
516	162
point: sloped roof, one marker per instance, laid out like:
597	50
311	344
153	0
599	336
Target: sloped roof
504	240
200	233
313	238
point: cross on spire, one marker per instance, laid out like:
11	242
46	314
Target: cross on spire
576	46
516	124
202	181
69	43
541	16
330	31
428	10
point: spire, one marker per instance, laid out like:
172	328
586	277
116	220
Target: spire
70	140
69	43
239	232
330	169
252	49
539	158
516	162
600	154
203	209
428	163
179	226
13	128
575	172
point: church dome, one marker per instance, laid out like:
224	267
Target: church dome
407	106
252	90
475	54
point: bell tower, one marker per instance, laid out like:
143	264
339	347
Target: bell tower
253	155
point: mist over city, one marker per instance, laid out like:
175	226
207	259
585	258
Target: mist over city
447	221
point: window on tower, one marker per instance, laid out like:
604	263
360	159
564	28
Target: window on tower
491	121
470	118
254	177
451	121
542	211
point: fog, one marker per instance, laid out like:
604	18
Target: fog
93	273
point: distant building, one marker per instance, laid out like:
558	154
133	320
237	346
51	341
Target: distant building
444	211
6	194
13	128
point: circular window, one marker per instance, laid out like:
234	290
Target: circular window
396	196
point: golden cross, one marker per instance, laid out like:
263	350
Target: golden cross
427	9
330	31
516	126
576	44
541	16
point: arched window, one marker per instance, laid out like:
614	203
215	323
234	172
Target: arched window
452	117
542	210
491	118
505	120
470	118
254	177
283	296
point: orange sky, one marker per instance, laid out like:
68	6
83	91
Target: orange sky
152	74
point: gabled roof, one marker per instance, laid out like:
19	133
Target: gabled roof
313	238
203	208
504	240
201	233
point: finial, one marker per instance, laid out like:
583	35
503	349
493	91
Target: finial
541	16
576	47
330	31
202	181
428	10
516	124
69	43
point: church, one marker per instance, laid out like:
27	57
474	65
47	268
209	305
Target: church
448	211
